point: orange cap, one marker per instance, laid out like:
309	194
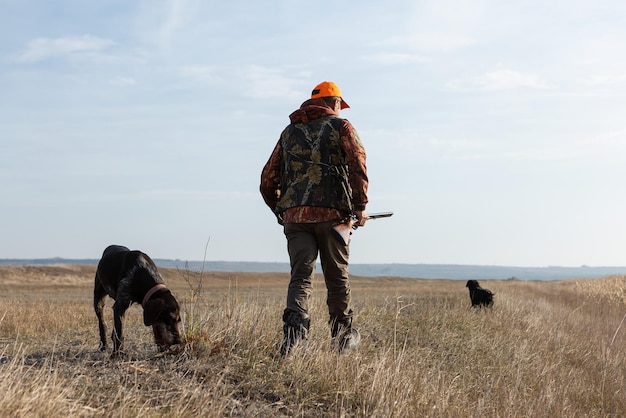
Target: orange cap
328	89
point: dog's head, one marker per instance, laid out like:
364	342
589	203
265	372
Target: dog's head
162	312
472	284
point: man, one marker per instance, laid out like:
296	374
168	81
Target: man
316	179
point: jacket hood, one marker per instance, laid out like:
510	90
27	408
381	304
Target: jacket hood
312	109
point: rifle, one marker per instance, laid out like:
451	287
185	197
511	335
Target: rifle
343	230
375	216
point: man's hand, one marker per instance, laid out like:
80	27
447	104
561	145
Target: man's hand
361	217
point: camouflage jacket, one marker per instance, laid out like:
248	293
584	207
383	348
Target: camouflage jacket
318	165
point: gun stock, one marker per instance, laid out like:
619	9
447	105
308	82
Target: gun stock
342	231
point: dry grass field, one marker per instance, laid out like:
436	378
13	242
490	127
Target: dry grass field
546	349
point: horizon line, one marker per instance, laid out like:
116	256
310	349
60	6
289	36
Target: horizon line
582	266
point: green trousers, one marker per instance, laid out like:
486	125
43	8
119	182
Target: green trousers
304	242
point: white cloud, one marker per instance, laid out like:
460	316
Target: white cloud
395	58
500	80
428	41
123	81
172	21
440	41
459	145
605	79
45	48
607	140
264	82
254	81
165	24
201	72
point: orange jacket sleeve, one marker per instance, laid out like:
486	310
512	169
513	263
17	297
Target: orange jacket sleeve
270	178
356	161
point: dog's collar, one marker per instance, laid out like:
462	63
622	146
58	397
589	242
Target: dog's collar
152	292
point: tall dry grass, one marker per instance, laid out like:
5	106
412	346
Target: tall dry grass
546	349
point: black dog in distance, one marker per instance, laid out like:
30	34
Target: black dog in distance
131	277
480	297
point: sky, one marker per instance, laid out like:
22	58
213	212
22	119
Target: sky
495	130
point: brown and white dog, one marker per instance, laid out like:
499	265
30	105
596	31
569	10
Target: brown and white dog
131	276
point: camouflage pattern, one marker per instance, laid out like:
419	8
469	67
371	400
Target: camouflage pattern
314	172
353	153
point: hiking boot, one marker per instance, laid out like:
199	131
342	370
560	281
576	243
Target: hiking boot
350	340
344	337
296	332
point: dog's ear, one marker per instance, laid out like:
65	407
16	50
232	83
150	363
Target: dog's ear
152	310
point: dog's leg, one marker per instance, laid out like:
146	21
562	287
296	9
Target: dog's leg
99	295
473	297
117	336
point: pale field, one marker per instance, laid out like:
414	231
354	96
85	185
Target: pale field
546	349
